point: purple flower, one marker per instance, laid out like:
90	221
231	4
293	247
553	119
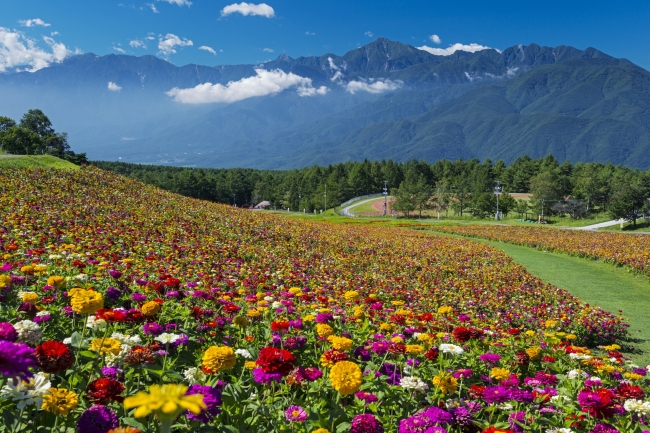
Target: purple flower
392	372
115	373
16	359
295	414
366	423
464	318
490	358
182	339
138	297
362	354
640	371
296	324
114	273
425	420
380	347
463	373
323	318
604	428
496	394
152	328
366	397
42	319
211	398
172	294
8	332
97	419
295	343
113	293
514	419
310	374
265	378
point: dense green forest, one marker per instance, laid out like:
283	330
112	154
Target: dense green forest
467	187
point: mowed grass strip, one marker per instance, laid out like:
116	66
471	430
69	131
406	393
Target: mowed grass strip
598	283
35	161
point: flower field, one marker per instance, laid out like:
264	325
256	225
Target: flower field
620	249
125	308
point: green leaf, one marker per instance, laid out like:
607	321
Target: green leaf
132	422
75	339
344	426
88	354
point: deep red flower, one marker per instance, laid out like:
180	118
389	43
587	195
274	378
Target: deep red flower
111	315
431	354
398	319
627	391
462	334
54	356
273	360
476	391
104	390
514	331
279	326
493	429
548	359
397	348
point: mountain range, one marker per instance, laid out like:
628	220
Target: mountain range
382	100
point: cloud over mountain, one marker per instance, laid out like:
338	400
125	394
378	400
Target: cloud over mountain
262	84
246	9
16	50
472	48
167	44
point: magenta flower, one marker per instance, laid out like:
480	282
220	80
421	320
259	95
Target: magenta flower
295	414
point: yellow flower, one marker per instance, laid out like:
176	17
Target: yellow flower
445	310
414	348
397	340
324	330
219	358
612	347
85	301
633	376
340	343
321	430
500	373
5	280
386	327
241	321
38	269
550	323
253	313
346	377
424	337
397	303
295	290
106	346
250	365
571	337
309	318
30	297
530	333
166	401
445	383
56	281
29	269
534	352
351	296
151	308
59	401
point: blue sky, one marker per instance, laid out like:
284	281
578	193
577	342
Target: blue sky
174	30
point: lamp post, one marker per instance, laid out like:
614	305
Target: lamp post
497	191
325	195
385	196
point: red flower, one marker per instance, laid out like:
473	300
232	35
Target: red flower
548	359
104	390
272	360
514	331
462	334
476	391
54	356
627	391
431	354
111	315
279	326
398	319
493	429
397	348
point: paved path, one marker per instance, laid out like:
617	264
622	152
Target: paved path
346	210
599	225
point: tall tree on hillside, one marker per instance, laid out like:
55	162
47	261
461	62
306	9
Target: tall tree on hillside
545	189
36	121
628	199
440	199
461	193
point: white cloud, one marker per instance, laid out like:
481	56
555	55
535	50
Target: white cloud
246	9
369	34
179	2
310	33
268	50
127	139
136	43
208	49
338	74
119	50
33	23
435	39
472	48
153	8
262	84
377	86
168	44
113	87
18	50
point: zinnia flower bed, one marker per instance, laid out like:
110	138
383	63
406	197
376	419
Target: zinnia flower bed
620	249
125	308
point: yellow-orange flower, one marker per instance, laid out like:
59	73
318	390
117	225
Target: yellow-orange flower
324	330
219	358
166	401
105	346
150	308
445	383
56	281
85	301
346	377
59	401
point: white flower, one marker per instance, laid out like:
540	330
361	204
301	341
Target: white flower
43	313
276	304
574	374
95	324
125	339
560	398
244	353
55	256
451	348
579	356
27	393
113	360
506	406
194	375
22	293
559	430
268	298
638	406
416	335
415	383
67	341
80	277
167	338
29	332
407	369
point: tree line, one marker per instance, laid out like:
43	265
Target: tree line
34	135
464	187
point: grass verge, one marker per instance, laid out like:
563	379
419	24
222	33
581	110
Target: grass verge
34	161
611	288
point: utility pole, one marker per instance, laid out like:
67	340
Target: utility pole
325	194
385	196
497	191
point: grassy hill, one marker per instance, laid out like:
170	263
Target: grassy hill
33	161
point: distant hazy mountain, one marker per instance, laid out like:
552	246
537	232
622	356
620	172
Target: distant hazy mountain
384	100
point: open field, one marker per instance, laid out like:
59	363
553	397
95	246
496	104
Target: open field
33	161
276	324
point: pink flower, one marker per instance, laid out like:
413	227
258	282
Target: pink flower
295	414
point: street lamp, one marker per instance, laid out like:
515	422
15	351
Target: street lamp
325	195
385	196
497	191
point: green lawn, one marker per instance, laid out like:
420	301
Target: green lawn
33	161
367	207
595	282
